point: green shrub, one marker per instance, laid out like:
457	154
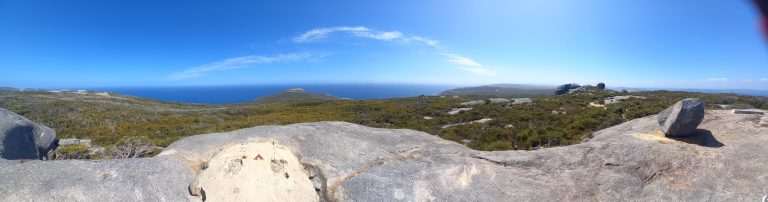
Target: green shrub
76	151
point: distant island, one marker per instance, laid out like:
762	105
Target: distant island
293	95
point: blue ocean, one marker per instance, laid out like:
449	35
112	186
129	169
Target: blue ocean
239	94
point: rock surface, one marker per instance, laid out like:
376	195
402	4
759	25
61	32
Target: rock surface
21	138
750	111
498	100
483	120
565	88
682	118
455	111
521	100
144	179
473	103
254	172
617	99
726	161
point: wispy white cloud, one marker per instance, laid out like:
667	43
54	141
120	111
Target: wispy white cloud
759	80
430	42
715	79
364	32
462	62
467	64
238	62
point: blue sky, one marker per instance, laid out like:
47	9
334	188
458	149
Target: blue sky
652	43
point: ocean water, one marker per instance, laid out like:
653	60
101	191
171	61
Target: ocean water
239	94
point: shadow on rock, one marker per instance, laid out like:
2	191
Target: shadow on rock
702	138
19	143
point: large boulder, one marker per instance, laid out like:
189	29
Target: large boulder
349	162
21	138
577	90
565	88
601	85
682	118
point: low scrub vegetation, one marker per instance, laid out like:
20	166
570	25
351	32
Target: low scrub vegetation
545	122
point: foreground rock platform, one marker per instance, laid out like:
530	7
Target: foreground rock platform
254	172
727	160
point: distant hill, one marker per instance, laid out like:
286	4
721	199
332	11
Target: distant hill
8	89
731	91
502	90
294	95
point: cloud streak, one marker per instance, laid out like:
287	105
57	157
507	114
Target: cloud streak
467	64
462	62
364	32
430	42
715	79
237	62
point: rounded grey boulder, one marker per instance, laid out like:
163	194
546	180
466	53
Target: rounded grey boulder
682	118
566	88
21	138
601	85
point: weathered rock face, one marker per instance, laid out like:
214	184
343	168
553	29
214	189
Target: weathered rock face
563	89
750	111
726	161
21	138
566	88
682	118
254	172
473	103
143	179
619	98
498	100
521	100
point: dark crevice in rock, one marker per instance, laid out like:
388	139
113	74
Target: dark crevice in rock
501	163
649	178
318	181
202	194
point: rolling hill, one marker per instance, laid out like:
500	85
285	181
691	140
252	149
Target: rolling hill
501	90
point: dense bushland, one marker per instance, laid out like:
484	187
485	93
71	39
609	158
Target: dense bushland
546	122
